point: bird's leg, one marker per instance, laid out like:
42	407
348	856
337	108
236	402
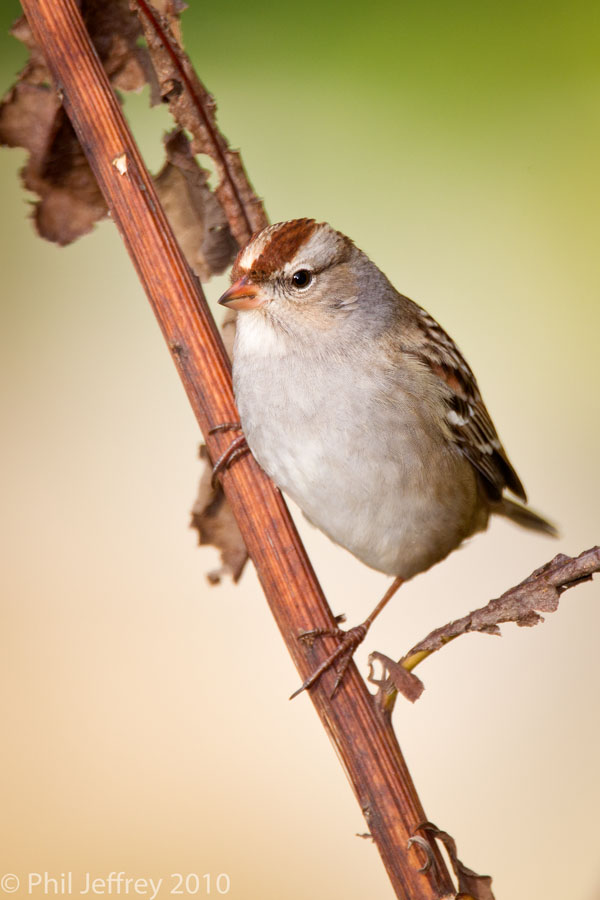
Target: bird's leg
236	449
349	641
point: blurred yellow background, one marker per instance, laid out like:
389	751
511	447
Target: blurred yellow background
146	720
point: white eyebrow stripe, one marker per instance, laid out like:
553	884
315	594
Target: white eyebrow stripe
255	248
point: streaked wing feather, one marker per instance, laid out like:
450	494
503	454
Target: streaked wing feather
467	418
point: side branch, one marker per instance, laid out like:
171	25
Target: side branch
522	604
363	739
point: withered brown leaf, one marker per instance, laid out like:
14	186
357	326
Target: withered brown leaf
194	212
470	884
70	202
31	116
405	682
211	513
57	171
194	109
214	521
115	34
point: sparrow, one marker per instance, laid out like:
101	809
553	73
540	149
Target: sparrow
362	409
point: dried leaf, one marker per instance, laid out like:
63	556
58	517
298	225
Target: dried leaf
195	214
70	202
470	884
194	109
213	519
115	33
57	171
211	513
32	117
404	681
35	71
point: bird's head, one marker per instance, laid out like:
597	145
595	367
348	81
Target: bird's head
299	273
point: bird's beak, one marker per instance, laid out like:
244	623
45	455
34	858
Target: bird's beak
242	295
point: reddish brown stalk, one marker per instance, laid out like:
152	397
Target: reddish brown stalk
364	741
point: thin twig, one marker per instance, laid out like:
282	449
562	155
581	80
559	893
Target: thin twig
523	604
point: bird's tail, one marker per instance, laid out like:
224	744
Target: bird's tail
526	517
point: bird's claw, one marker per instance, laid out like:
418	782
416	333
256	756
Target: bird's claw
225	426
237	448
341	656
309	637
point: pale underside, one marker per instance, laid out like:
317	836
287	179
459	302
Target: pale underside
366	466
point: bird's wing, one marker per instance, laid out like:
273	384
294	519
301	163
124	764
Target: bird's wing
467	418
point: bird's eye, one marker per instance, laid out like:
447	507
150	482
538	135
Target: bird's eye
302	278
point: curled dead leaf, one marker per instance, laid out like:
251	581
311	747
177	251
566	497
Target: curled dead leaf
215	523
70	202
115	34
470	884
211	514
194	109
57	171
193	210
31	116
405	682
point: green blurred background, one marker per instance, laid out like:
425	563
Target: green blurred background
146	725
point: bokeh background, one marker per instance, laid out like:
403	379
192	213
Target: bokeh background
146	725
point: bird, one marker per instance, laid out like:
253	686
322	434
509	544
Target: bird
362	409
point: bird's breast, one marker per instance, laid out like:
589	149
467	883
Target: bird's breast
351	450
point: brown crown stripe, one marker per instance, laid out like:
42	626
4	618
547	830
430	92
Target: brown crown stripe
281	247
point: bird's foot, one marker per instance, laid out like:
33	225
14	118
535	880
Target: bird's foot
349	641
341	656
237	448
